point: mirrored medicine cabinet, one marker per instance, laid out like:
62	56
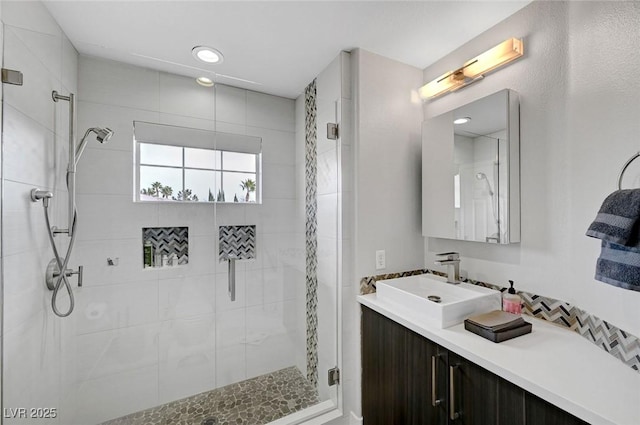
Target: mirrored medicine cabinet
471	171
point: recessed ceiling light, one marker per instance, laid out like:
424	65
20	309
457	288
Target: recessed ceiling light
462	120
204	81
207	54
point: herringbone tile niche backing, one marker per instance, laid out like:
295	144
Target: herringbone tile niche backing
168	240
237	242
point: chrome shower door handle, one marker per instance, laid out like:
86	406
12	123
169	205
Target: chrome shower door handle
232	277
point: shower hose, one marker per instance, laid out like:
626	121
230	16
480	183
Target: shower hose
62	263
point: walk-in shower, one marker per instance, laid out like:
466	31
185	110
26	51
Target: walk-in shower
167	345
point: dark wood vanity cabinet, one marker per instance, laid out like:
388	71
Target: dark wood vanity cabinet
540	412
410	380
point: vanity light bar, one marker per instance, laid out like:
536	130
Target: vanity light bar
444	83
474	69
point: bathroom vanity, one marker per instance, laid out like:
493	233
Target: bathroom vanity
415	373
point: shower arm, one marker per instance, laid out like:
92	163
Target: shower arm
71	168
81	146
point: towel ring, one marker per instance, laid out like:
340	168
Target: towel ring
624	168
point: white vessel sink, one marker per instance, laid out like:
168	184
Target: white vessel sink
449	305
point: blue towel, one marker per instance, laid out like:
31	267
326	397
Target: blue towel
618	220
618	225
619	266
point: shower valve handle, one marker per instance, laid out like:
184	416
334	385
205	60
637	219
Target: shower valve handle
70	272
79	273
53	272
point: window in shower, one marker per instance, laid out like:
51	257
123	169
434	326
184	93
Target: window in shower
178	164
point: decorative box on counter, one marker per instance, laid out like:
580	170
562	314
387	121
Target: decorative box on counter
498	326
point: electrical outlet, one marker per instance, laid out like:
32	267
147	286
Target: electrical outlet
381	259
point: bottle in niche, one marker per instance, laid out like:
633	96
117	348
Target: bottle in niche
148	254
511	302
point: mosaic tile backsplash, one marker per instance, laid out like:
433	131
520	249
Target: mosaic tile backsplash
169	240
237	241
620	344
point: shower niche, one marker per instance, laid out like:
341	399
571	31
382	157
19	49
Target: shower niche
165	246
471	171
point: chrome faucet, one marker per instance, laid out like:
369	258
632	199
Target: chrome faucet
452	261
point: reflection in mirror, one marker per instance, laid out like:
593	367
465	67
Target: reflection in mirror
194	165
473	152
480	129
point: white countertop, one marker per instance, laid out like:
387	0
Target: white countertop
552	362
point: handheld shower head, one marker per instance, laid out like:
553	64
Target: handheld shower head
483	176
102	135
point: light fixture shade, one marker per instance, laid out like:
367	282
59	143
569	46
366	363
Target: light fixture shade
444	83
493	58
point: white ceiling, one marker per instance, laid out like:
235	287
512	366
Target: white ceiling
268	46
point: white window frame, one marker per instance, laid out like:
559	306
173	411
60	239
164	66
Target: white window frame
167	135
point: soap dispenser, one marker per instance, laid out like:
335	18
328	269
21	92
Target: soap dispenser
511	301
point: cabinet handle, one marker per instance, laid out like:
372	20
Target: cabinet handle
435	401
453	415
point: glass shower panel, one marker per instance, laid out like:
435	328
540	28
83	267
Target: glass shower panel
282	325
328	233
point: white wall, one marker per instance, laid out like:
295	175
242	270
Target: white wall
146	337
388	172
579	123
35	134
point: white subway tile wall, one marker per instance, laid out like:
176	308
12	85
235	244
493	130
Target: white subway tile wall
34	138
204	340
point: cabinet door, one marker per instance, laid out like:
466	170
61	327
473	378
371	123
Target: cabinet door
540	412
426	381
473	393
384	370
510	404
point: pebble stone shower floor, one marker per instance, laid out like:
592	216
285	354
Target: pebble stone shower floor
256	401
